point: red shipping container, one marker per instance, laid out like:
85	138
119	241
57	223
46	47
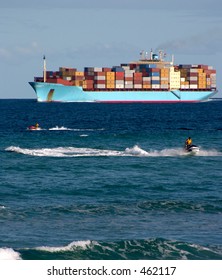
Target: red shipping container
129	79
191	74
89	77
154	69
107	69
99	74
119	75
99	82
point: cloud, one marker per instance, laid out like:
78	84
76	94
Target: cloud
202	43
20	51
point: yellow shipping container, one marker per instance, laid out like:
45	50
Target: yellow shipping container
147	86
110	86
164	73
199	70
202	86
110	79
79	73
110	74
184	83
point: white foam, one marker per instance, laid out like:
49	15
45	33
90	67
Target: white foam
69	247
60	128
64	152
209	153
90	129
9	254
135	151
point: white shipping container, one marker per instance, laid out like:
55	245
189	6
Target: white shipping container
119	86
155	78
128	75
137	86
146	79
98	69
100	78
128	86
193	70
67	78
129	71
99	86
126	68
192	78
119	82
128	82
182	79
193	86
164	86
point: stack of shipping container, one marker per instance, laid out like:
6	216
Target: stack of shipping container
137	76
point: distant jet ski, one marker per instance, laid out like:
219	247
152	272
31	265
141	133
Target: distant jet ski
34	127
192	149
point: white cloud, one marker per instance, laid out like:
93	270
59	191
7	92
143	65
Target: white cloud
201	43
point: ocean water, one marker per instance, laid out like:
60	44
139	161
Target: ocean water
110	181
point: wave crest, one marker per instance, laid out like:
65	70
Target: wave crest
9	254
157	249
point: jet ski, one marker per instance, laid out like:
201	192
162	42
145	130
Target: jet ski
192	149
34	127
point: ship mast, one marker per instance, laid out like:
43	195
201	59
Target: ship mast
44	69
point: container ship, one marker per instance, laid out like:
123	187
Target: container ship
151	79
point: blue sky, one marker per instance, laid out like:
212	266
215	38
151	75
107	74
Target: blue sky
79	33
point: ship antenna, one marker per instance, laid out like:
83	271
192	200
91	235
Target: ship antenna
151	54
172	62
44	68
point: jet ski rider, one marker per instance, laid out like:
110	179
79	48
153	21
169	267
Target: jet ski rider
188	142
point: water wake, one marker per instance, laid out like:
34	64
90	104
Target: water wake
135	151
57	128
60	128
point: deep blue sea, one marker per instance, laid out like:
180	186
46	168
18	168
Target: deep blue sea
110	181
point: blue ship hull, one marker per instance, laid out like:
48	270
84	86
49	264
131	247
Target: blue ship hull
49	92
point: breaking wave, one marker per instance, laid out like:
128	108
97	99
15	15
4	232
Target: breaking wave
157	249
9	254
135	151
